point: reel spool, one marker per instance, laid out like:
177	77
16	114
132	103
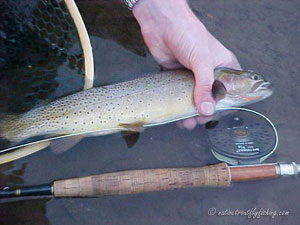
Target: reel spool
242	137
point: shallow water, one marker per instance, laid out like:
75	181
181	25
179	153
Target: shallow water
265	37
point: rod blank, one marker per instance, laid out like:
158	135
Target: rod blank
44	189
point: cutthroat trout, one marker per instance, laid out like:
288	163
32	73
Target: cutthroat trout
160	98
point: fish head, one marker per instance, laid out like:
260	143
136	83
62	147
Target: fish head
243	87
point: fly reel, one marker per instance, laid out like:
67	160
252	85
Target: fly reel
242	137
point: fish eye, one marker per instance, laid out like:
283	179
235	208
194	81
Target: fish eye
254	77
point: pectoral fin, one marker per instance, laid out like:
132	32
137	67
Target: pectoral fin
130	137
135	127
61	145
218	90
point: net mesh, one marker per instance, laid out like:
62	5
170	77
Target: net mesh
40	54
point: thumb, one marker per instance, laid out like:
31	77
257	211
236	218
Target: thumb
204	78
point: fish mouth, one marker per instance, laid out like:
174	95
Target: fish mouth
267	88
262	86
267	84
264	90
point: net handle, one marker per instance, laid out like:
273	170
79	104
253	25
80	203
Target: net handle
85	43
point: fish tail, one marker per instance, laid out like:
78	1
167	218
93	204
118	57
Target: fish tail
11	127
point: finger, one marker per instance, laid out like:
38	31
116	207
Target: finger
204	78
231	62
189	123
235	63
203	119
180	124
170	65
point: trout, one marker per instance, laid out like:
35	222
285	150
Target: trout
129	106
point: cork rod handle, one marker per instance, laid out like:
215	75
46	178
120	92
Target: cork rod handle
138	181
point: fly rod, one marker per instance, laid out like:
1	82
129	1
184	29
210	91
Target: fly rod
149	180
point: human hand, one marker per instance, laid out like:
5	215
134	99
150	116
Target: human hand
176	38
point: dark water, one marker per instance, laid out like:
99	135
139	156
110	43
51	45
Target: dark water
265	37
40	55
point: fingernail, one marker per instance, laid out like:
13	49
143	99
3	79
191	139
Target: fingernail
207	108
